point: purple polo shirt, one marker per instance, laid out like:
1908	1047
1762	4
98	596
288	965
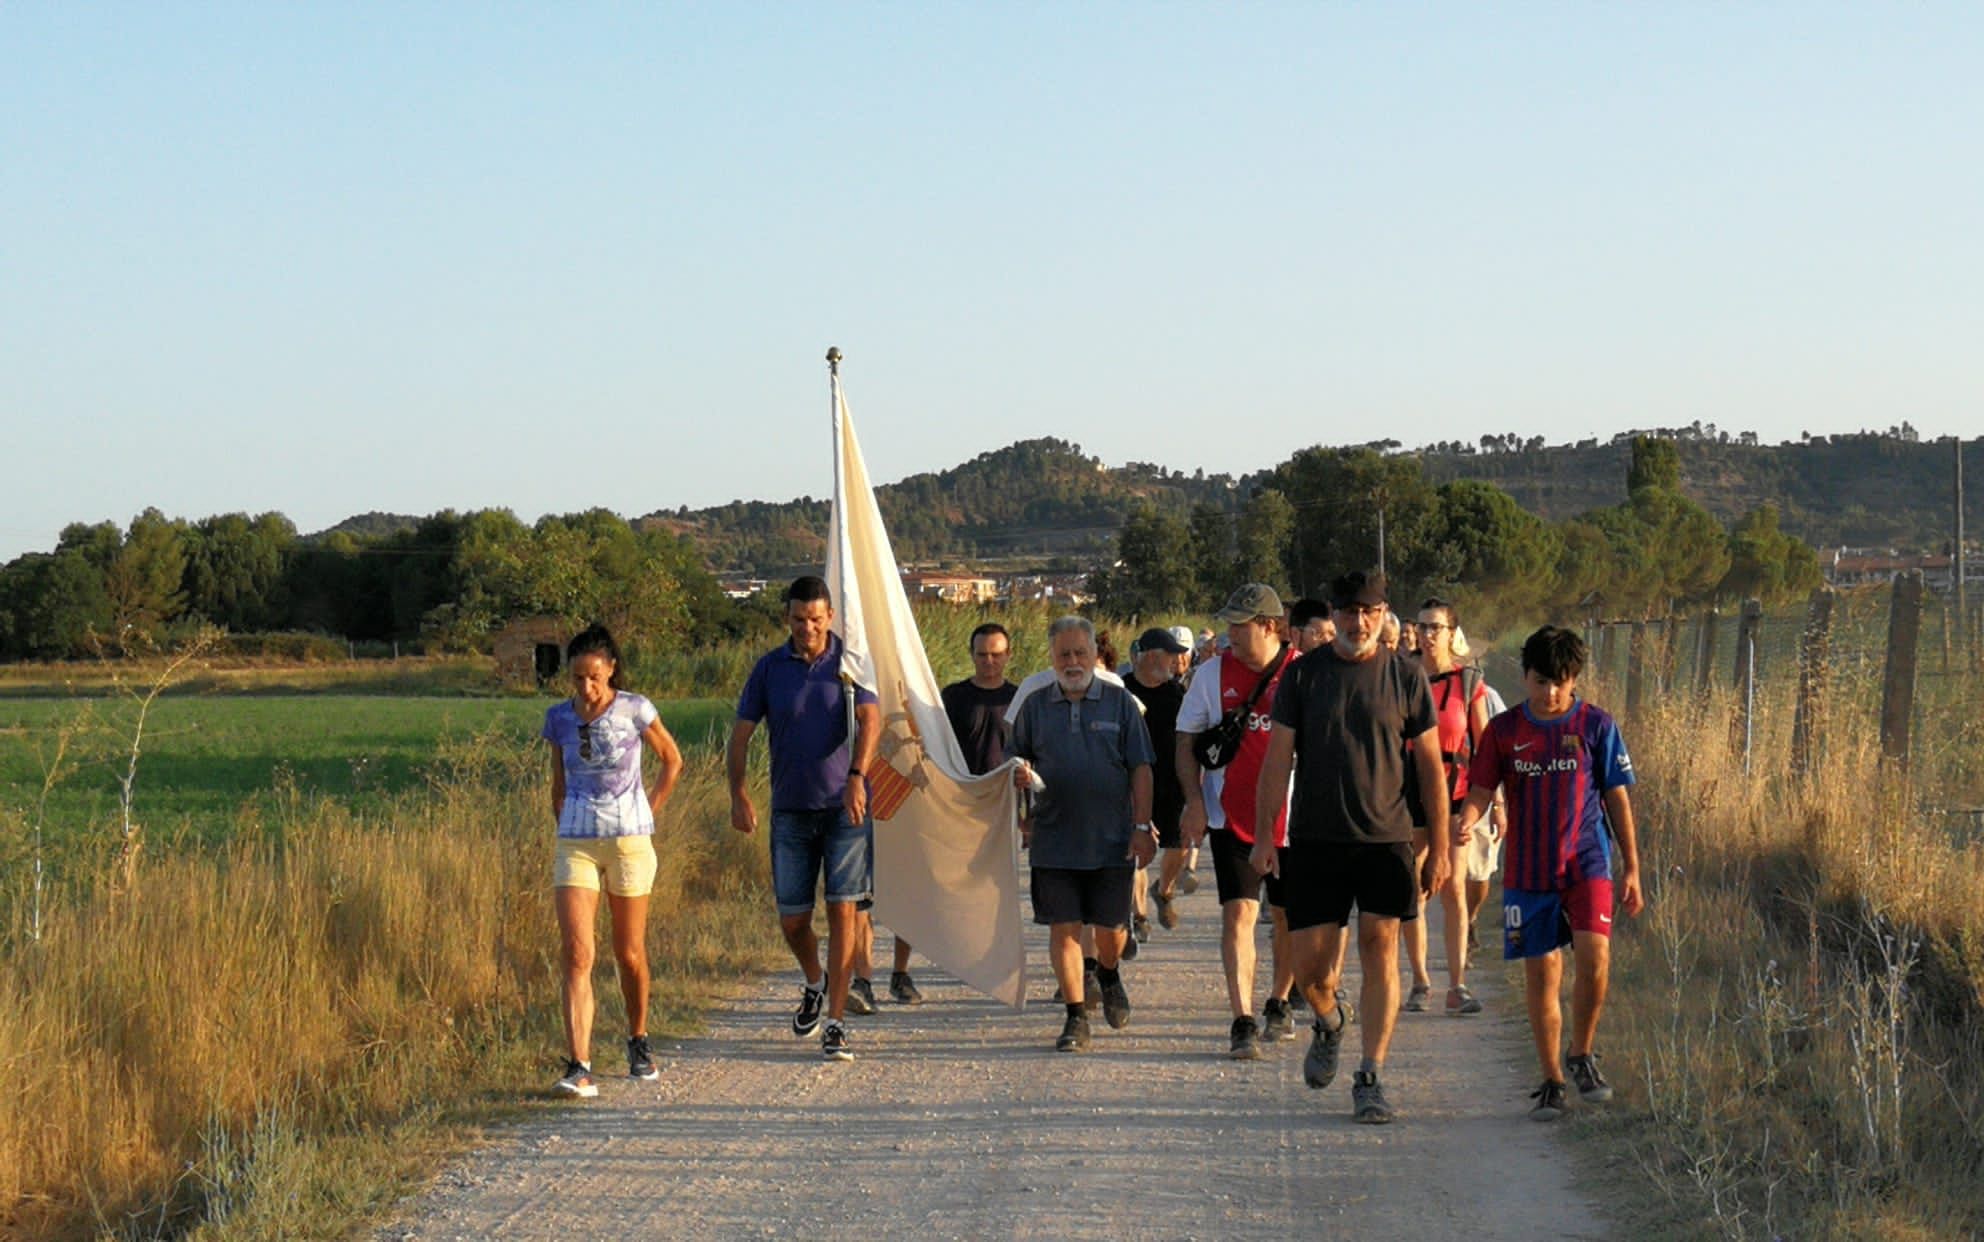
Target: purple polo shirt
807	716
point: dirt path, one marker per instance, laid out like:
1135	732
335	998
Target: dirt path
958	1120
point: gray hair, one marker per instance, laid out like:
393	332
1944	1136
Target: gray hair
1062	625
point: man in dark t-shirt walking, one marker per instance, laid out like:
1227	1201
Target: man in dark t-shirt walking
977	705
1152	683
1342	718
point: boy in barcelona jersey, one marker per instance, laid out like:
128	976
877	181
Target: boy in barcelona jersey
1565	771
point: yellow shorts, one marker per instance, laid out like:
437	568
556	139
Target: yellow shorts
625	865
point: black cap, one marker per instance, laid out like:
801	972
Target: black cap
1358	588
1159	639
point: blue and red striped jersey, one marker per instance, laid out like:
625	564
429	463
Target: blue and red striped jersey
1555	774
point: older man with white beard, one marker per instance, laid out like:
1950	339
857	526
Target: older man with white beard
1086	756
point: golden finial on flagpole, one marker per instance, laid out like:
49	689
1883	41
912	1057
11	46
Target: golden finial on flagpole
833	359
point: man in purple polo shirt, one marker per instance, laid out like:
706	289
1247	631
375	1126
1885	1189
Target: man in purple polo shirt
820	818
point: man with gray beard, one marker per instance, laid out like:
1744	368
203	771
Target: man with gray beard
1085	757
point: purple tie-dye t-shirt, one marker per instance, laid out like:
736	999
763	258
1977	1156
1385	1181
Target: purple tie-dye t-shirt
603	794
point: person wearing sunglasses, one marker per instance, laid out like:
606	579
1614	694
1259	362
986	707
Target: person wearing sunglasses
606	820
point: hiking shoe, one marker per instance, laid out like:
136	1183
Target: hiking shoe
1167	911
1367	1100
833	1042
1091	991
860	998
576	1080
1319	1065
640	1061
1246	1046
902	989
806	1018
1276	1022
1550	1101
1460	1002
1188	883
1591	1084
1074	1035
1416	1000
1116	1005
1130	947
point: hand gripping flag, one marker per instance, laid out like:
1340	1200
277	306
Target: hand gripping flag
946	843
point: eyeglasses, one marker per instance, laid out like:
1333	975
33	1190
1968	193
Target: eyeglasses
1428	627
1365	610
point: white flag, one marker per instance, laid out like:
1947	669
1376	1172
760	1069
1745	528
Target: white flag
946	842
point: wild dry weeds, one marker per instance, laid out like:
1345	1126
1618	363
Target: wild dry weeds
1800	1007
222	1045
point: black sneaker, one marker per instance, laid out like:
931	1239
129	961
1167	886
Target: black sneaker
1591	1084
860	998
640	1061
833	1042
1246	1046
1319	1065
1550	1102
1074	1035
1277	1023
902	989
576	1080
1130	947
1116	1005
1367	1100
806	1018
1167	911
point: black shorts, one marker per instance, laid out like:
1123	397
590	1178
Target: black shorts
1322	882
1168	835
1236	875
1099	896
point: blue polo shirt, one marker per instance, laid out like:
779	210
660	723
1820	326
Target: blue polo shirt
807	714
1085	751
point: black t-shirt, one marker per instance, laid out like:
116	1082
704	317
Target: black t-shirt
1351	721
1161	703
978	717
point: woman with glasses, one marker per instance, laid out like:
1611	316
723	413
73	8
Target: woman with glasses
606	822
1460	698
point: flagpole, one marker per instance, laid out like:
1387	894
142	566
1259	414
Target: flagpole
840	473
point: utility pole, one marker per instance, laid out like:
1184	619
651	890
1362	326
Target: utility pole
1957	567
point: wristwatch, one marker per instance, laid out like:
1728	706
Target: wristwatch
1147	826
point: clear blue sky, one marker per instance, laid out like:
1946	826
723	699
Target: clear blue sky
342	257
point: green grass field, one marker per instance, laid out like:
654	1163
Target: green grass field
209	761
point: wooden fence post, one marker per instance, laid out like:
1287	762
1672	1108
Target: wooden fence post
1705	653
1898	684
1742	725
1808	726
1636	669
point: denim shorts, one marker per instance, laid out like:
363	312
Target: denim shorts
807	844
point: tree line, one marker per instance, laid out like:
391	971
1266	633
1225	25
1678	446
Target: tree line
448	581
1326	510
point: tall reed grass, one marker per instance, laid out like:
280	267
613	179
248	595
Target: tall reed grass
1799	1012
217	1047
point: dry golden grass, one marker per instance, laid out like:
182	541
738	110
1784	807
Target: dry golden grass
1798	1013
239	1043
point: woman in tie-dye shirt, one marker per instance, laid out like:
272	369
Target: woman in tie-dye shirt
606	824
